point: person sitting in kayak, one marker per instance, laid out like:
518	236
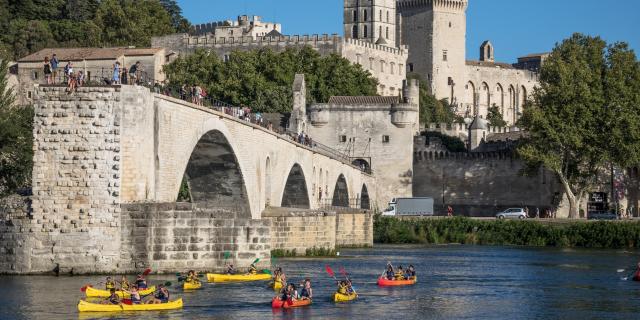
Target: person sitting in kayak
231	269
411	272
141	283
161	296
342	287
124	283
389	273
134	295
192	277
287	293
253	269
278	277
109	284
350	290
113	297
399	275
306	293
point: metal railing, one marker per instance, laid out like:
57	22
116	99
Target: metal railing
350	204
96	76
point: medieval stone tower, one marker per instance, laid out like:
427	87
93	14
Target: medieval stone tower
435	31
371	20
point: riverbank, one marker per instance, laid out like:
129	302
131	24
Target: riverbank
598	234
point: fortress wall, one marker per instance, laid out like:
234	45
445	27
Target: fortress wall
354	229
481	184
301	230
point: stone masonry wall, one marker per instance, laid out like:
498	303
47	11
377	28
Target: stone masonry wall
300	230
15	222
354	229
172	237
76	179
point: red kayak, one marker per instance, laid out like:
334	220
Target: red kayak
384	282
636	276
276	303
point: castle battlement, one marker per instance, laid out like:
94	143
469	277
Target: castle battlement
403	50
421	155
455	129
208	40
439	4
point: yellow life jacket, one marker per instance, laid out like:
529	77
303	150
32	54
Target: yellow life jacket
399	275
110	285
342	290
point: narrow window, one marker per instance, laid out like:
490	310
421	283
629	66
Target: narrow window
392	68
410	67
385	139
366	32
444	55
342	139
370	63
382	63
387	17
379	32
355	15
358	58
365	17
387	37
35	75
380	16
29	94
355	32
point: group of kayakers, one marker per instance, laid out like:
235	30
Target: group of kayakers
399	273
229	269
161	294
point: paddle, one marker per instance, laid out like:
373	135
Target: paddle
330	272
267	271
227	255
84	289
344	273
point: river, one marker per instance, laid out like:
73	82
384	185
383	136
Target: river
455	282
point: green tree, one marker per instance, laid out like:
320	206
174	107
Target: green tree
179	22
433	110
585	113
16	139
262	78
495	117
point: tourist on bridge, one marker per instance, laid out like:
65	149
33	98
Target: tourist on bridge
115	79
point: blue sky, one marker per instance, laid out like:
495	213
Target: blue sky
515	27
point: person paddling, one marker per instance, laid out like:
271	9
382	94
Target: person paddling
124	283
306	293
109	284
342	287
134	295
253	269
141	283
113	297
192	278
389	273
399	275
411	272
161	296
231	269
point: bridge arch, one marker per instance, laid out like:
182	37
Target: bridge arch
295	194
340	193
214	175
365	201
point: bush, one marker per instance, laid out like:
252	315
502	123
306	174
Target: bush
601	234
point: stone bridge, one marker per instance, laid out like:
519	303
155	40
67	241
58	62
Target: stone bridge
108	166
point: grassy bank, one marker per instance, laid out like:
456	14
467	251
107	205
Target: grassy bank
309	252
599	234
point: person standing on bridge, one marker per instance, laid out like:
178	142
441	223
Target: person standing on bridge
537	213
449	211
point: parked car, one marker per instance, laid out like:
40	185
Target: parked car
512	213
602	215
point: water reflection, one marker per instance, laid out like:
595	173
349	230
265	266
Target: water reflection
455	282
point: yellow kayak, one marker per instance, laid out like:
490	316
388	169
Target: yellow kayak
339	297
97	293
215	277
84	306
276	285
192	285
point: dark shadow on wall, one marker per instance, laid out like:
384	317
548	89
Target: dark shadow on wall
341	193
295	193
214	177
364	198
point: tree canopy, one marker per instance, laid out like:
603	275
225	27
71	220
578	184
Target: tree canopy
16	139
495	117
433	110
263	78
585	114
31	25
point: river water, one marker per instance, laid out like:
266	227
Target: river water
455	282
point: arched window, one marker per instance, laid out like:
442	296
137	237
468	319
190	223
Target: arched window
355	15
500	98
485	100
380	32
470	98
392	68
354	34
365	16
387	16
365	32
387	37
382	64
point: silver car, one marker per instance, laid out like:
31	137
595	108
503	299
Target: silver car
512	213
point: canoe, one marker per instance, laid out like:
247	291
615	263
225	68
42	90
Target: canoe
191	285
276	303
276	285
215	277
98	293
383	282
84	306
339	297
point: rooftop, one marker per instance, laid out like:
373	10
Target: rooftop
76	54
364	100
